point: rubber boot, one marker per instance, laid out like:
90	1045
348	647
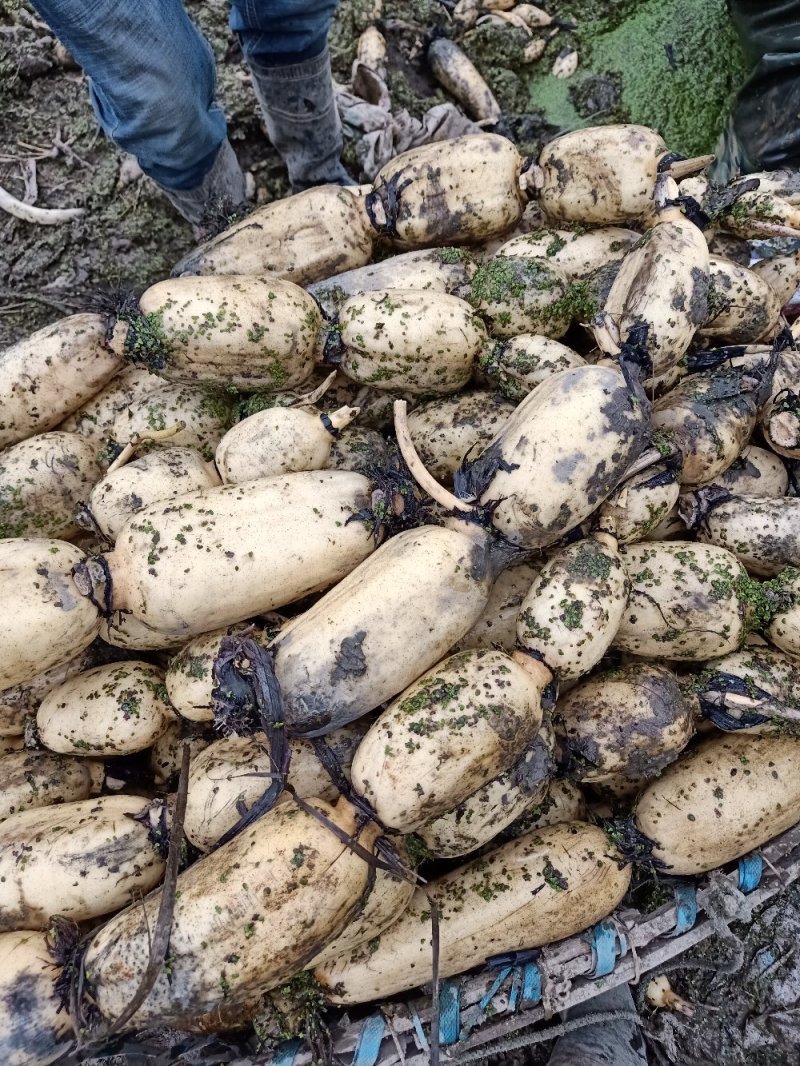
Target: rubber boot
302	120
222	190
617	1042
730	159
763	133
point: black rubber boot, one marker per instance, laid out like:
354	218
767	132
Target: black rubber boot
617	1042
302	121
763	133
222	189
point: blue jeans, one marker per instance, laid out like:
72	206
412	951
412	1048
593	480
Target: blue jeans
152	77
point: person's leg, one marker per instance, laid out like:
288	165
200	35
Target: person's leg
285	45
617	1042
764	132
152	83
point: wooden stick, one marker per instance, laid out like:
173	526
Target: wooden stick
682	168
772	229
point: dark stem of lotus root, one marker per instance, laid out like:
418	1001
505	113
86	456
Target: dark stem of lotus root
248	667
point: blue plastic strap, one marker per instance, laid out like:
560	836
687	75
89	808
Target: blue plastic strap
496	986
370	1039
751	867
449	1012
685	908
531	983
285	1054
513	958
604	948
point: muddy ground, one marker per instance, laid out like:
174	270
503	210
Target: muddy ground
674	64
747	1018
671	63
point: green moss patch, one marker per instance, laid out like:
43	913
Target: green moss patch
674	65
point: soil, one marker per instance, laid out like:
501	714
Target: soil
673	64
750	1018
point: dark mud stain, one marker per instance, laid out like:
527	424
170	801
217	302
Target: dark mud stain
770	549
530	774
601	280
563	520
744	467
110	855
563	469
508	728
626	412
723	280
760	321
602	482
311	714
698	301
563	172
27	1036
350	659
474	476
481	563
603	721
582	755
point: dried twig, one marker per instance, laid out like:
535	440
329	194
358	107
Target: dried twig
38	151
771	229
42	216
143	438
65	147
27	18
29	177
421	475
35	297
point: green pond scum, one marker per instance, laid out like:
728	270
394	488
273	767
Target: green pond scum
675	65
